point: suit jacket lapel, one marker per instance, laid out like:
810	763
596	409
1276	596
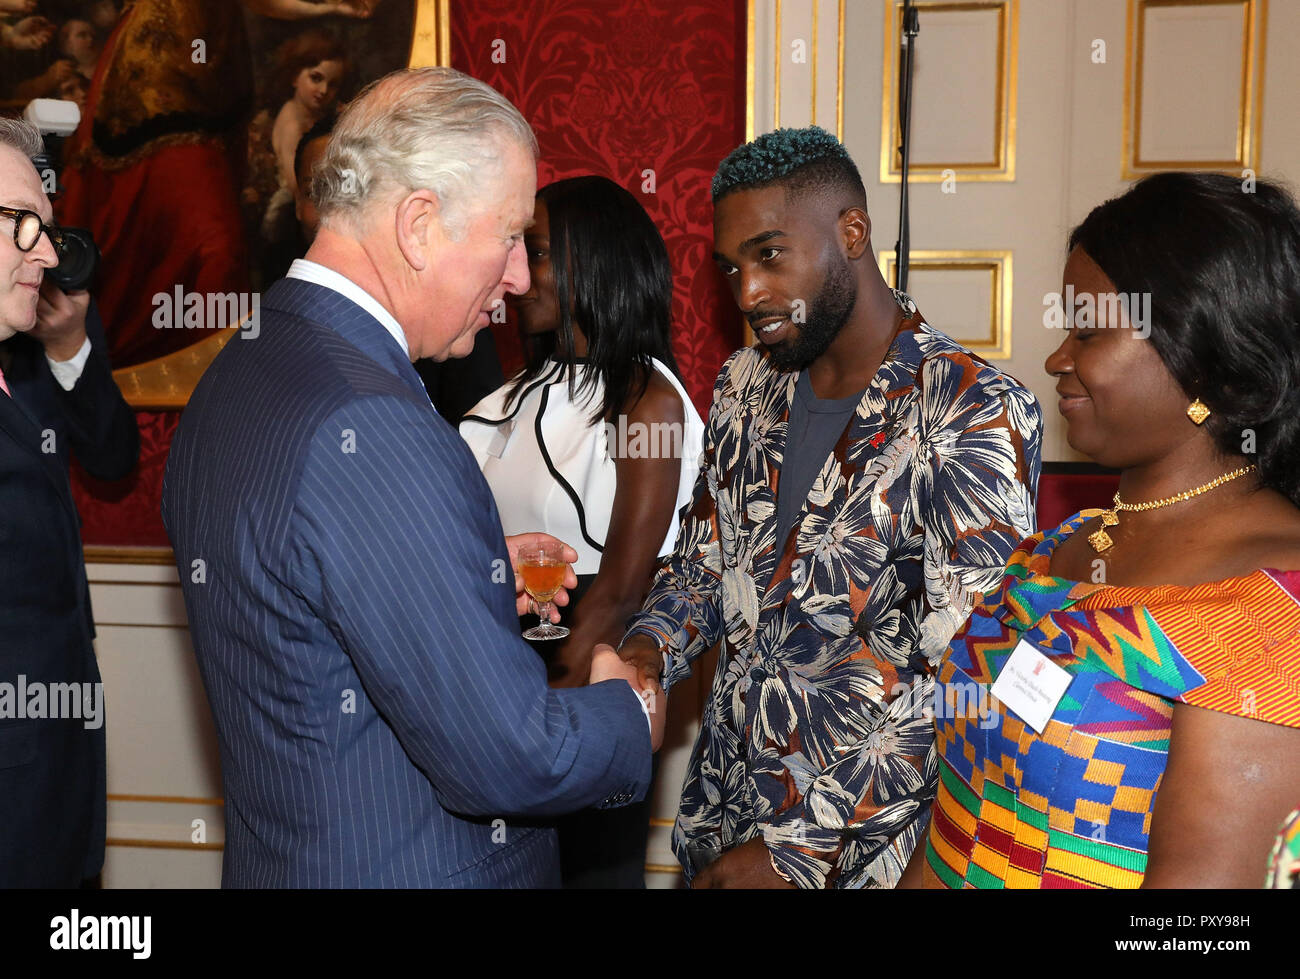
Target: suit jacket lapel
15	421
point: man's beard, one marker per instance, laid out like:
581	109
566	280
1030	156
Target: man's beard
827	314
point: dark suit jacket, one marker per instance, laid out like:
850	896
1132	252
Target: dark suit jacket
381	722
52	788
92	422
456	386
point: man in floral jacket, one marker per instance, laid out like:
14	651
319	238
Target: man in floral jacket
863	479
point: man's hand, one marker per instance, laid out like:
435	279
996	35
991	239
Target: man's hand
523	602
606	664
746	866
642	653
61	321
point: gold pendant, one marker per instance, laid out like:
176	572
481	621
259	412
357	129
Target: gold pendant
1100	540
1108	518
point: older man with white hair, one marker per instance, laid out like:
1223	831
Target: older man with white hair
349	590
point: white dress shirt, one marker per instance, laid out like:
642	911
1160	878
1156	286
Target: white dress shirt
66	372
319	274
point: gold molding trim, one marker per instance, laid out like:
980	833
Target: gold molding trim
776	80
839	77
662	868
166	383
998	264
104	554
1249	111
431	38
751	70
177	799
815	8
163	844
1003	167
750	30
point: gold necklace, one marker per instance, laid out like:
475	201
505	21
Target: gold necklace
1100	540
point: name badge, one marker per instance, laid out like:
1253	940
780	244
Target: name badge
1031	685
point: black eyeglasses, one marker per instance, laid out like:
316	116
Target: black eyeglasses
28	227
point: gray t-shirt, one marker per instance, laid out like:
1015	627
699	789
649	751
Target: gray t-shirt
815	425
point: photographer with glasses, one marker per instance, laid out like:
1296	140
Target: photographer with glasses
57	400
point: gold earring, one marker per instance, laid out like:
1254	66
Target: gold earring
1197	412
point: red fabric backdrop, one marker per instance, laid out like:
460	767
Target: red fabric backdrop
618	87
613	87
126	513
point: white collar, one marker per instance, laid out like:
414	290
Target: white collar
322	276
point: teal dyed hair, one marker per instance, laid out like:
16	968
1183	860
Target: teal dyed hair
802	159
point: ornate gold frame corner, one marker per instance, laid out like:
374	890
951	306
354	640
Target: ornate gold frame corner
1002	168
1249	113
998	263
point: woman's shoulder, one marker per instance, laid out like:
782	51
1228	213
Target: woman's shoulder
1260	538
1274	538
659	402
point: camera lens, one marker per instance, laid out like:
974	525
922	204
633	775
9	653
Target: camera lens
78	261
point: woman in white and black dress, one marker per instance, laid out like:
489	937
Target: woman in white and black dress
597	443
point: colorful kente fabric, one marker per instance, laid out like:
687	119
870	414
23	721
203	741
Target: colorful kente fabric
1284	863
1071	807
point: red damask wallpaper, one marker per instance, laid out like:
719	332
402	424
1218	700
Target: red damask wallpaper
617	87
126	513
613	87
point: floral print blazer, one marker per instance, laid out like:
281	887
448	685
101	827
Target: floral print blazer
818	732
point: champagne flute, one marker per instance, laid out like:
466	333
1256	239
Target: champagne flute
542	567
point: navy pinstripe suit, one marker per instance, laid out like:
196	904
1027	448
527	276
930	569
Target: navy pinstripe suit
352	611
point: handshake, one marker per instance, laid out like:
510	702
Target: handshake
638	662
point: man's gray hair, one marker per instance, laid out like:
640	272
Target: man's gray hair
21	136
423	128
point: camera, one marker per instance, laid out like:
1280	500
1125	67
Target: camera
78	254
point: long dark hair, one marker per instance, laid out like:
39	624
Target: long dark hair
1221	261
612	279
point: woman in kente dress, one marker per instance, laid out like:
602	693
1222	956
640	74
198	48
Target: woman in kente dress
1284	861
1123	710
